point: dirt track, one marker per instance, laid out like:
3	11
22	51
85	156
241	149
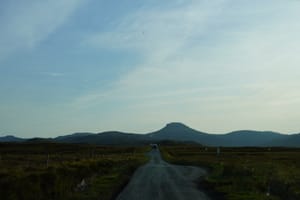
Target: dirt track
159	180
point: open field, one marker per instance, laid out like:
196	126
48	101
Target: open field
66	171
243	173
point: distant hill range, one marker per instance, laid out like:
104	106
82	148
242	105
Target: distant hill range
11	138
174	132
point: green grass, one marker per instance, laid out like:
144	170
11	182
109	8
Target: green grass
244	173
53	171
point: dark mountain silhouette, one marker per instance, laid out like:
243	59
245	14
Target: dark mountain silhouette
290	140
176	132
39	140
72	138
105	138
180	132
11	138
249	138
294	140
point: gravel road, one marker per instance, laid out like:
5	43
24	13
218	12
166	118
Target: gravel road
159	180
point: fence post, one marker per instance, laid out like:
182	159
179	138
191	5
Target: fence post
218	151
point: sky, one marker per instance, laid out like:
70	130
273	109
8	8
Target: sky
97	65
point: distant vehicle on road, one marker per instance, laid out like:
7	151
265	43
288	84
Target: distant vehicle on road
154	146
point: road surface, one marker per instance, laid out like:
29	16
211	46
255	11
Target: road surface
159	180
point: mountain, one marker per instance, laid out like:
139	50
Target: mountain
72	138
39	140
11	138
290	141
250	138
175	132
294	140
180	132
105	138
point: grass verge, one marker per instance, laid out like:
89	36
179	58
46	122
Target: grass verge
243	173
66	171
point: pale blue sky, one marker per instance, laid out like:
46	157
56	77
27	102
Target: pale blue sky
94	65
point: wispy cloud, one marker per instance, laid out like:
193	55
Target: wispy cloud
195	46
216	65
159	32
25	24
53	74
245	52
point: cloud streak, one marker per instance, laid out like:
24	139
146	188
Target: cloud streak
25	24
215	65
248	54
